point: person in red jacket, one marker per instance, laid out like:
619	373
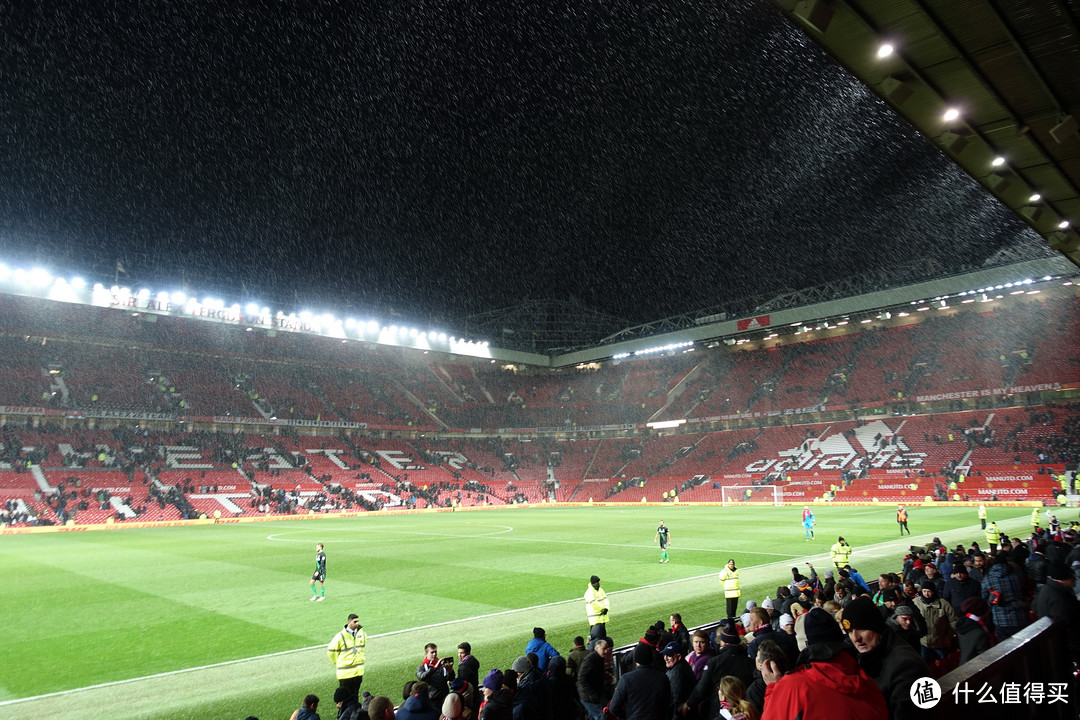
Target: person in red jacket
828	684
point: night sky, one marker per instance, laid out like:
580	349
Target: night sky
447	158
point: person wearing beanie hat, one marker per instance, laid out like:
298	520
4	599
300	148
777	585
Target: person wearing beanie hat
730	660
828	681
745	617
840	552
453	707
1057	601
908	624
347	707
532	694
597	607
940	623
644	692
498	703
884	655
960	587
543	649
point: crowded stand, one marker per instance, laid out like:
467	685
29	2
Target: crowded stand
827	635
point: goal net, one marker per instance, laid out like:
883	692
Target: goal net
735	494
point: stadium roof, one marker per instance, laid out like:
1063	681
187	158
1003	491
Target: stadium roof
617	164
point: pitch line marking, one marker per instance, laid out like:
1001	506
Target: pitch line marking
881	546
277	537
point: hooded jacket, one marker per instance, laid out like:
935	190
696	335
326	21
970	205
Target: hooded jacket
417	707
829	688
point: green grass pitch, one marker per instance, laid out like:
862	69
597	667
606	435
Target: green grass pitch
215	621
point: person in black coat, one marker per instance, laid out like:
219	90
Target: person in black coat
644	693
973	628
960	587
1057	601
680	677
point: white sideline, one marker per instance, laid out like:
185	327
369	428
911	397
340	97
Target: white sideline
880	549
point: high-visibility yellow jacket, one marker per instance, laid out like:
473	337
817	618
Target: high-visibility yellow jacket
596	601
730	579
347	653
992	534
841	554
982	512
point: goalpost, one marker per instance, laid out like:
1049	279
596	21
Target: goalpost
735	494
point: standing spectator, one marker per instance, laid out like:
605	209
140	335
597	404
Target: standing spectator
960	587
498	703
468	666
346	651
644	693
731	660
575	656
887	659
436	673
700	653
679	633
973	628
729	577
1003	590
680	677
771	664
940	623
1057	601
543	649
830	684
597	606
594	681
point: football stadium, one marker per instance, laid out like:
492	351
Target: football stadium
213	496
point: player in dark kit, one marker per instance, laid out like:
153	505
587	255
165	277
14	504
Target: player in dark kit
662	536
319	576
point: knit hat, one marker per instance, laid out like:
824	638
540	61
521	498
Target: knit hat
1058	570
750	605
493	681
342	694
458	685
960	568
451	706
539	632
828	573
672	648
594	579
974	606
821	627
652	637
643	654
728	635
862	614
903	610
767	604
522	665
